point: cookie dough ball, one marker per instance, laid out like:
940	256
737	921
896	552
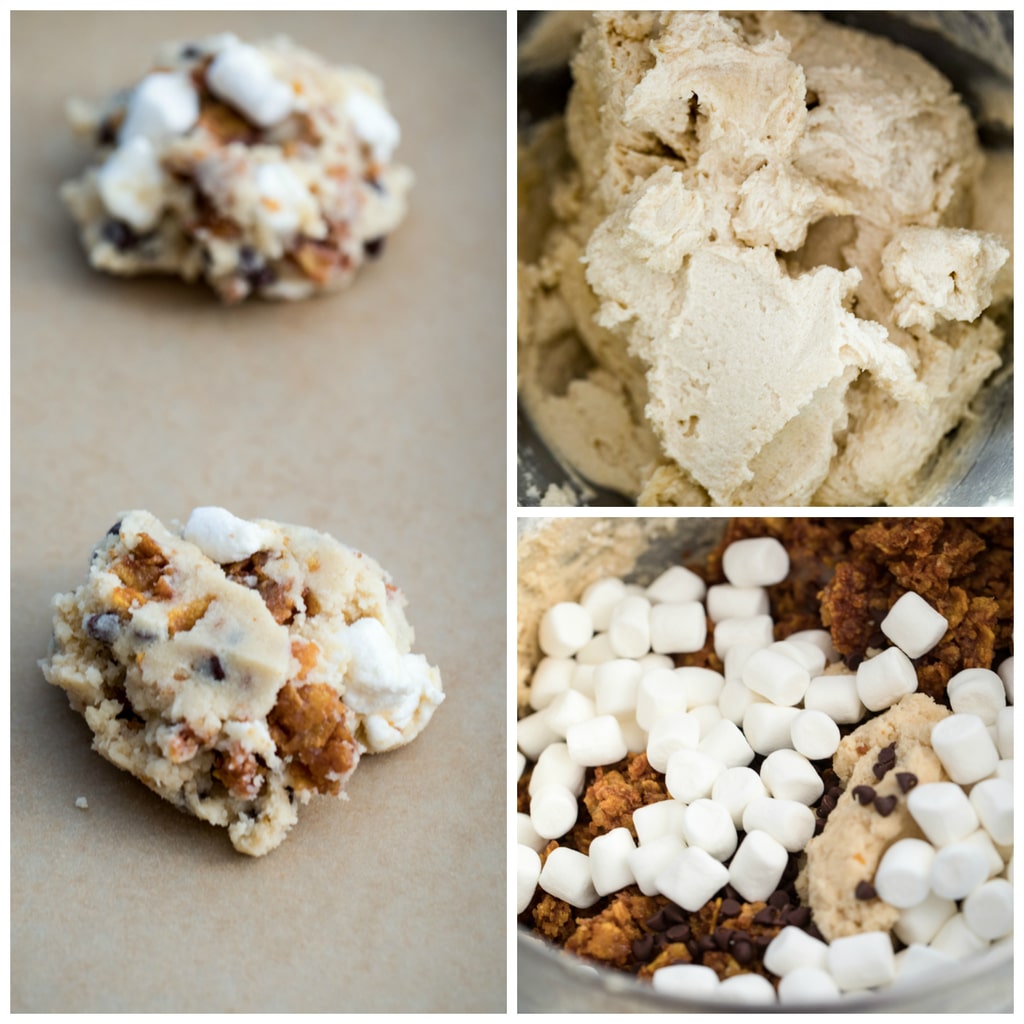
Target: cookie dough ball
260	169
238	668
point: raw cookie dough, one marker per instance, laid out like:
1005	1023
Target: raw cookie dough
756	281
260	169
237	668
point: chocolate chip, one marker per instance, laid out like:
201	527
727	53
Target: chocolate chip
778	899
799	917
115	529
827	805
678	933
743	951
706	944
865	891
906	781
190	52
766	916
730	908
106	134
216	668
373	247
375	184
643	947
675	915
880	769
885	805
887	755
863	794
105	627
657	921
119	235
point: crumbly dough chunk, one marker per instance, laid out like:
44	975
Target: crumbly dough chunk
758	282
238	668
262	170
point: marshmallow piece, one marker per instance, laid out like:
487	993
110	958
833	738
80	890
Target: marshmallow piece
649	662
708	826
885	678
982	842
821	638
664	818
921	923
131	184
678	628
724	601
736	657
778	678
566	710
793	948
836	695
735	789
285	203
725	742
734	700
962	743
615	686
977	691
913	625
583	679
596	742
916	960
566	876
527	874
703	685
373	124
862	961
753	631
609	861
520	764
555	766
992	800
600	598
988	910
595	651
1004	769
661	692
1004	732
629	631
807	985
223	536
1005	672
690	775
956	939
526	834
768	727
755	562
787	821
564	628
241	76
551	677
747	989
814	735
648	859
691	878
942	812
809	655
533	734
163	104
676	585
757	866
790	776
678	730
685	981
708	716
903	874
957	870
553	810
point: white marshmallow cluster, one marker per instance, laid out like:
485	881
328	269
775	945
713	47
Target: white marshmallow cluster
606	686
242	77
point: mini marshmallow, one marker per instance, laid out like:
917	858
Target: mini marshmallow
648	859
241	76
734	700
664	818
678	730
629	631
821	638
703	685
790	776
957	870
992	800
708	826
835	695
609	861
814	735
735	789
1005	672
977	691
757	866
675	585
526	834
956	939
942	812
913	625
755	562
556	766
768	727
809	655
708	716
691	878
1004	732
725	742
916	960
527	874
633	735
685	981
862	961
903	874
163	104
596	742
615	686
885	678
651	661
787	821
553	810
551	677
520	764
988	910
595	651
373	124
600	599
778	678
921	923
963	745
583	678
724	601
807	985
748	989
793	948
690	775
566	876
564	628
736	657
661	692
566	710
678	628
131	184
982	841
286	204
533	734
753	631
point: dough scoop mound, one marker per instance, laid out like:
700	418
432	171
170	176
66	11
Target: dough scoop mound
238	668
260	169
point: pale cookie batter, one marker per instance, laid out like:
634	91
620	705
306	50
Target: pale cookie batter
752	275
237	668
260	169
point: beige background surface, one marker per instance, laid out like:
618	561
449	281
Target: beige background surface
377	415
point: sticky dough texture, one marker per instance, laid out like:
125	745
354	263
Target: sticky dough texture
223	687
758	255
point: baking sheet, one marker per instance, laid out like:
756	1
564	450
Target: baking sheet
378	415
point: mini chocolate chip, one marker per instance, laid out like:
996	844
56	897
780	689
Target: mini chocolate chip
865	891
815	932
743	951
766	916
906	781
643	947
373	247
115	529
106	135
375	184
778	899
706	944
105	627
723	937
827	805
730	907
678	933
216	668
880	769
657	921
120	235
864	794
763	941
887	755
799	917
675	915
190	51
885	805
